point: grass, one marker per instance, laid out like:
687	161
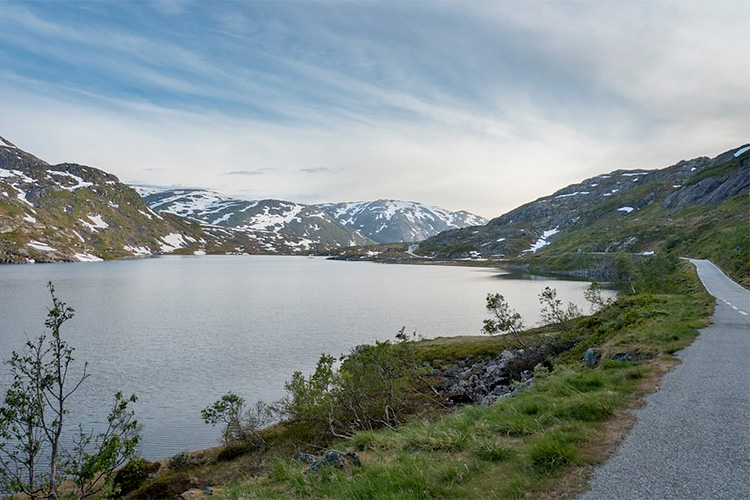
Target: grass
539	444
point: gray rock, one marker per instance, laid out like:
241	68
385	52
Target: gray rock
305	458
335	458
590	357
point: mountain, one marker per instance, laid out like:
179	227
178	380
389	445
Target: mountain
290	227
699	207
260	226
71	212
387	221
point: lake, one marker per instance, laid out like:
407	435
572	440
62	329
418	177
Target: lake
180	331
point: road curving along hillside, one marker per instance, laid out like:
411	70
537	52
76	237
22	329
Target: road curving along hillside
692	438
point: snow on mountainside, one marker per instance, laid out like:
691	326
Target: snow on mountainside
71	212
388	221
265	225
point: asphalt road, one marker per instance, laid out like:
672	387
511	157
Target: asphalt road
692	438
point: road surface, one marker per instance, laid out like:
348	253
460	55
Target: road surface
692	438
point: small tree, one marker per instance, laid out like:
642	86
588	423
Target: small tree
34	413
553	312
310	399
593	295
505	320
376	385
94	458
627	271
240	424
228	410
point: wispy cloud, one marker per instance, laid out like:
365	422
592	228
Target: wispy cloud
258	171
479	106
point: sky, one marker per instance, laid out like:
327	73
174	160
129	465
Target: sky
467	105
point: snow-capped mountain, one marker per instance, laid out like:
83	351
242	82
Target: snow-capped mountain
273	225
625	210
71	212
388	221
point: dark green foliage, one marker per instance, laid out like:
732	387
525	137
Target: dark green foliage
165	486
235	450
375	386
131	476
179	461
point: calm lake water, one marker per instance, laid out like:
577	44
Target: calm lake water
181	331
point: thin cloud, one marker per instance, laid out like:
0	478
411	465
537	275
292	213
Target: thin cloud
259	171
321	170
476	106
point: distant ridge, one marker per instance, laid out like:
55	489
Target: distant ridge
388	221
693	206
329	224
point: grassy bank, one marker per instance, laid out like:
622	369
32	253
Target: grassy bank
538	444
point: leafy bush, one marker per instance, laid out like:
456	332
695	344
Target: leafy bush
374	387
240	424
133	475
179	461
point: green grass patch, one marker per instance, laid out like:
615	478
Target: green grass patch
526	446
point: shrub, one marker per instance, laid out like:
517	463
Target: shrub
179	461
236	449
133	475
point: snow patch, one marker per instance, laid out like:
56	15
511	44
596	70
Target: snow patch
80	183
29	218
199	252
571	194
172	242
742	151
543	241
6	144
15	173
137	250
98	222
627	210
38	245
87	257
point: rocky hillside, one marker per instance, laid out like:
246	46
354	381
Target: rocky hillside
71	212
635	211
388	221
260	226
